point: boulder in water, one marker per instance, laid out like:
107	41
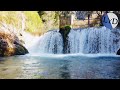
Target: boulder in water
11	45
64	32
118	52
20	49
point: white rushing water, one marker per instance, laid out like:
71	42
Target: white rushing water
94	40
50	42
85	41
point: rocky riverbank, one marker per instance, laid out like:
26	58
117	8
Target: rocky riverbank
11	45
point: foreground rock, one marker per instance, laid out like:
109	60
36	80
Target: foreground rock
11	45
118	52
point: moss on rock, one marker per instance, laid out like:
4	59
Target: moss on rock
64	32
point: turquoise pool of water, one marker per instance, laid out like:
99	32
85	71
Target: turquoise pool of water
71	66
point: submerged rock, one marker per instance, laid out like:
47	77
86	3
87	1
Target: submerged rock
118	52
11	45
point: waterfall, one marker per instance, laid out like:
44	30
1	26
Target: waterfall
86	41
31	42
50	42
94	40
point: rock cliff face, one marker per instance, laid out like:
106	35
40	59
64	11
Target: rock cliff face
11	45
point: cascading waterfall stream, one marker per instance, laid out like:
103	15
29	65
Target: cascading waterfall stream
86	41
50	42
94	40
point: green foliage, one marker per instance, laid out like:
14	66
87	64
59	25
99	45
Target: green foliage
33	22
67	27
50	19
65	30
10	17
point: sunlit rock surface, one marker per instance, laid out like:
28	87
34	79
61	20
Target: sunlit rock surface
11	45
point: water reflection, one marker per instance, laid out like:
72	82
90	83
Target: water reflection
69	67
10	68
64	70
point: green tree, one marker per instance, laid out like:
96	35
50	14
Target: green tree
50	19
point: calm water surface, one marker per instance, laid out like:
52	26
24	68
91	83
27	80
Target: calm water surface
60	67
